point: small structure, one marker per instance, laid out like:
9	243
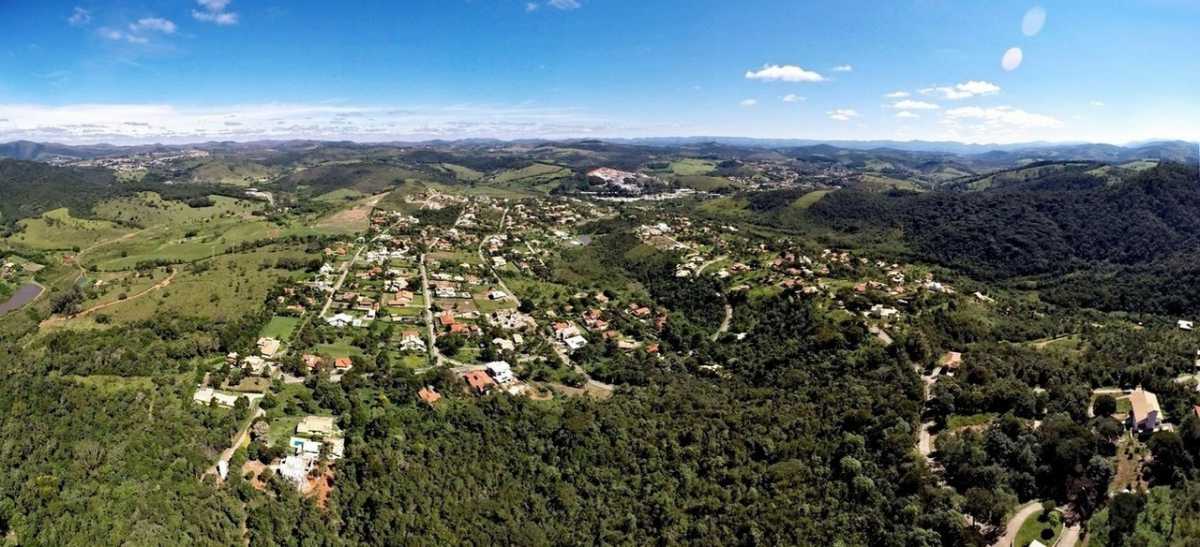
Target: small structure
429	395
1144	412
340	320
950	360
1185	325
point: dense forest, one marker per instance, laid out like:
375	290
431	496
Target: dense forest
1121	244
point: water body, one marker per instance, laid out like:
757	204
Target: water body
24	295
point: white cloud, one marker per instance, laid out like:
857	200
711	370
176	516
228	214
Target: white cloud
906	114
564	4
748	103
1033	21
79	17
793	98
1012	59
157	24
531	6
214	12
909	104
147	123
784	73
897	95
842	114
1003	117
843	68
116	35
1097	104
965	90
214	5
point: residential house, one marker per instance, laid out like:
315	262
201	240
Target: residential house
429	395
575	342
268	347
501	371
479	381
1144	413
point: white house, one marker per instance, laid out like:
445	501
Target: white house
1144	412
575	342
340	320
1185	325
501	371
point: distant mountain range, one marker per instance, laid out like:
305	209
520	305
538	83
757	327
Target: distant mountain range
1181	151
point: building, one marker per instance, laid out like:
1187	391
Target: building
479	381
429	395
575	342
1185	325
1144	413
340	320
501	371
951	360
411	341
343	363
268	347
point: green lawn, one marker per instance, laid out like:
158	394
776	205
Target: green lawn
807	200
280	328
1033	527
956	421
692	166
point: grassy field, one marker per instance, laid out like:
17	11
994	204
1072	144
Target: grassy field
809	199
57	229
539	176
340	195
280	328
692	166
704	183
462	173
225	287
956	421
1032	529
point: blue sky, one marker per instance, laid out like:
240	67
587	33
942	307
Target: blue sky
187	70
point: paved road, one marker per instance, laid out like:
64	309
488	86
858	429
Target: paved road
1014	524
488	264
434	355
1070	536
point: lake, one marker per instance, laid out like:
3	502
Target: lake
24	295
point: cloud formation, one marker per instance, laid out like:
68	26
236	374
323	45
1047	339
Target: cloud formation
79	17
156	24
748	103
214	12
1001	117
897	95
906	114
965	90
842	114
784	73
150	123
843	68
793	98
909	104
564	4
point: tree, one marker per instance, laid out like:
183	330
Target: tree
1105	405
